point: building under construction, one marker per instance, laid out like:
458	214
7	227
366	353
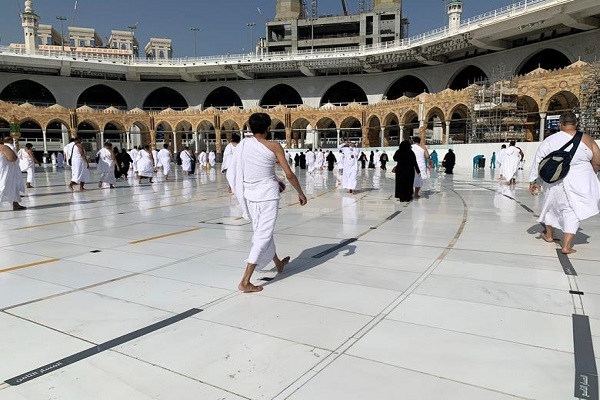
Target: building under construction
495	115
589	101
299	27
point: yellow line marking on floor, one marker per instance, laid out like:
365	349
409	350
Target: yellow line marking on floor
238	218
164	236
35	264
50	224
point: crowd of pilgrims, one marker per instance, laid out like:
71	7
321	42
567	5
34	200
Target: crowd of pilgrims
413	165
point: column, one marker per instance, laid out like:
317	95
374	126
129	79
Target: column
447	138
152	139
128	139
338	138
381	136
542	125
196	142
401	134
365	137
423	131
288	138
45	139
101	145
218	141
175	147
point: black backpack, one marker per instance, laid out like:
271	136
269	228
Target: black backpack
556	165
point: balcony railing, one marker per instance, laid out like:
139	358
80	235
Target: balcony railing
470	24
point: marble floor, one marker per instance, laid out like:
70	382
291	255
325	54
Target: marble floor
131	294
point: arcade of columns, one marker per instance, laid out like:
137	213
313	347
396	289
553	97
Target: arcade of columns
538	92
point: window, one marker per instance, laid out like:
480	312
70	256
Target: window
81	43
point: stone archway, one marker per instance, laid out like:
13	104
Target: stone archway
344	93
458	118
328	132
435	128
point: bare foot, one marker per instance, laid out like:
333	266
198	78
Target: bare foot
70	186
282	264
548	239
83	190
249	288
568	251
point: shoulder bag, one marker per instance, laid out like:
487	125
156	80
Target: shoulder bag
555	166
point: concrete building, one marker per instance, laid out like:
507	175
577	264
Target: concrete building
294	30
159	49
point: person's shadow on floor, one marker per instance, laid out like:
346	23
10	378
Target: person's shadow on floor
313	257
539	229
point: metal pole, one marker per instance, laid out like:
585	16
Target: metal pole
251	25
62	32
195	31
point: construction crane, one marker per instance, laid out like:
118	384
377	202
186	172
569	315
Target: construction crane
345	7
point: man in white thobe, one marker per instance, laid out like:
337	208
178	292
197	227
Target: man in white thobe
377	159
212	159
106	166
134	154
27	163
310	161
11	183
350	166
510	163
251	174
80	173
320	162
228	153
202	159
424	162
165	158
574	198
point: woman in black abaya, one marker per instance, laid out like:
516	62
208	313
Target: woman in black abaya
406	166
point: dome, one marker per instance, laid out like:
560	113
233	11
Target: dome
26	105
137	110
327	106
210	110
85	109
537	71
112	110
57	107
168	110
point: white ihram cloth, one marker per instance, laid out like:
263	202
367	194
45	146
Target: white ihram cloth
186	160
227	153
164	158
135	155
500	158
320	162
212	158
422	162
26	164
510	163
251	175
79	166
106	167
574	198
202	159
10	180
377	159
349	167
145	166
310	161
155	156
60	160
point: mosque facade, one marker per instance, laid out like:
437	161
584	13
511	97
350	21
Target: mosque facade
504	75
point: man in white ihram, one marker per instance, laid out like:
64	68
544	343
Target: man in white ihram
164	158
311	158
251	175
510	163
350	166
424	162
574	198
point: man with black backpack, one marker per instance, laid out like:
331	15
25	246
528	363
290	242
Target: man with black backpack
570	184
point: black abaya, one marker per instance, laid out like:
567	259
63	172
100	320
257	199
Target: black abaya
406	165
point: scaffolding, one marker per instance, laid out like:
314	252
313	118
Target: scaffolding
589	101
494	113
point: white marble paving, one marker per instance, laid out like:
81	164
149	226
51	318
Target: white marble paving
422	307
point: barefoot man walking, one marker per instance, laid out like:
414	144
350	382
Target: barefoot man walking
251	175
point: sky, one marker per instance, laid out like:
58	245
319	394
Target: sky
222	23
